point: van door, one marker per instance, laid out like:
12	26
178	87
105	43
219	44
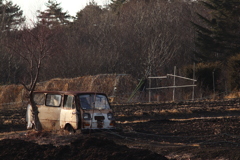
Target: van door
48	114
69	114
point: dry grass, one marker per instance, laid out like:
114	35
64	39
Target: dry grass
175	111
232	95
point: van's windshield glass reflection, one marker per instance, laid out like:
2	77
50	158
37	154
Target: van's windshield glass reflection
96	101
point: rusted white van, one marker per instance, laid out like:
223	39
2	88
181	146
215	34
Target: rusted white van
71	111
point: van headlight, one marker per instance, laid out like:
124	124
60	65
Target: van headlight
86	116
110	116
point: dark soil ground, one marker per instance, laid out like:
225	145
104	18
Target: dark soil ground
88	148
199	138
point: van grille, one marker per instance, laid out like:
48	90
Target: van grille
99	118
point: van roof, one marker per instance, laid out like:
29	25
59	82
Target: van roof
69	92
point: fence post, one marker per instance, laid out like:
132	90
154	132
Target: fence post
149	99
193	82
174	82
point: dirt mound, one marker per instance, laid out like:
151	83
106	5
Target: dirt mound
87	149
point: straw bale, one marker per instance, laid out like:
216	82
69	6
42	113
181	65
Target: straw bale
55	85
11	93
80	83
105	83
98	83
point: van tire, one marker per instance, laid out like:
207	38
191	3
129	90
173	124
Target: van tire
69	128
33	126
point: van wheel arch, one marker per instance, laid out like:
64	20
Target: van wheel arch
68	127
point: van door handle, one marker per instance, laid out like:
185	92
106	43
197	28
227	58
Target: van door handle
75	112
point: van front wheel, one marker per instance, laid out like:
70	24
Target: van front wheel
69	129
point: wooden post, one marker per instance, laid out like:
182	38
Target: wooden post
213	85
149	99
193	82
174	83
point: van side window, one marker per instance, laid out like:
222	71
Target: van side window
68	102
53	100
39	98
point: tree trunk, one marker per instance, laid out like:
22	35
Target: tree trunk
37	123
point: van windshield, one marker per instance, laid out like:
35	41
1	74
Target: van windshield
90	101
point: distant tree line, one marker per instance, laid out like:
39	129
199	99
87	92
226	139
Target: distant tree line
142	38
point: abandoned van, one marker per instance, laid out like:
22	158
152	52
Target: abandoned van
71	111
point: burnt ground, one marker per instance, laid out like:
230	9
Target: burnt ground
185	135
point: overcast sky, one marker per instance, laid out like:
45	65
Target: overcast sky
30	7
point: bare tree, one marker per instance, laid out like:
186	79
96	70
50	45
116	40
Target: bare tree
152	26
34	46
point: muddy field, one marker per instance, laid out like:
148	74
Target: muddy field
155	132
